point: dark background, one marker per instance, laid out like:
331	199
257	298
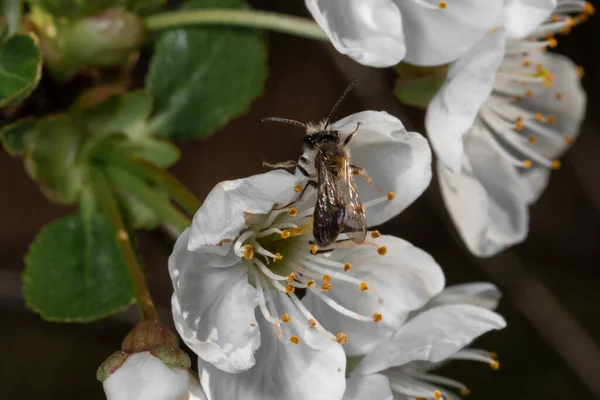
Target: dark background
549	349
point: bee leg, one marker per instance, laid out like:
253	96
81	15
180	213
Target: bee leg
359	171
309	183
281	165
349	138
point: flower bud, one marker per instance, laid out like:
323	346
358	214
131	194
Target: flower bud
106	39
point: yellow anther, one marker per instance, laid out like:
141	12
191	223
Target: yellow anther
442	5
579	71
391	196
382	250
519	125
437	395
517	99
248	251
375	234
326	286
326	278
291	277
286	318
556	164
538	117
278	257
552	43
551	119
494	30
355	172
581	18
122	235
310	283
295	339
364	286
347	267
341	338
289	288
465	391
495	365
377	317
529	93
565	31
558	95
292	212
312	322
589	8
548	80
526	63
531	139
298	231
570	22
298	188
314	248
555	18
526	164
493	355
285	234
361	209
568	138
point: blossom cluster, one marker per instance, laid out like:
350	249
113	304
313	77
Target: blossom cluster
271	315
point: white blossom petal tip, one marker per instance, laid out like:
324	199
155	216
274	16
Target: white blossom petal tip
145	377
431	336
398	162
368	31
227	207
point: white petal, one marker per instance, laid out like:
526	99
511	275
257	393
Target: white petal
480	294
313	369
144	377
524	16
369	387
431	336
213	309
404	279
226	208
397	160
196	391
451	112
487	200
569	110
369	31
437	36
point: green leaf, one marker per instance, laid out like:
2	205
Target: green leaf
16	136
416	86
20	68
52	158
79	8
202	77
12	11
75	271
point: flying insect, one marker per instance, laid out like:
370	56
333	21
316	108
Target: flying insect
326	163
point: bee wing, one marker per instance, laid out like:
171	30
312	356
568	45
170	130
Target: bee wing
355	221
330	209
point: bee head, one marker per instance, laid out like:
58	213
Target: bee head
314	139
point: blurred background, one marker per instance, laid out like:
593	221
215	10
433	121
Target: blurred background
550	348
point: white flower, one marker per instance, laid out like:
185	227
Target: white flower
238	270
398	367
506	112
145	377
381	33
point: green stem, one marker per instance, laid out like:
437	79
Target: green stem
246	18
138	188
142	293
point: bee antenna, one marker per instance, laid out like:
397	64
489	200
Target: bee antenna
340	100
276	120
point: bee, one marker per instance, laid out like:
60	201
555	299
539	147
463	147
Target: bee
326	163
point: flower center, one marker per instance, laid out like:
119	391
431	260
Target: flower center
516	132
282	260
